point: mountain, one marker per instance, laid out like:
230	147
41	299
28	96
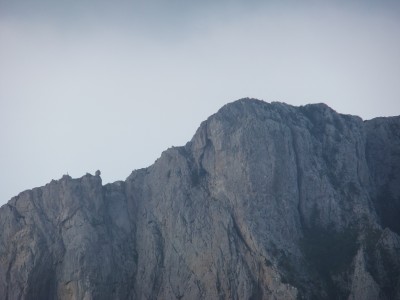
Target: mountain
267	201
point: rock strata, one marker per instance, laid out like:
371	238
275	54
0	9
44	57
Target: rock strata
267	201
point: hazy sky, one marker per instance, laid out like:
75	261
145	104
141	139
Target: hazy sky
109	85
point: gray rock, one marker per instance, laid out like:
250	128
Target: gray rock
267	201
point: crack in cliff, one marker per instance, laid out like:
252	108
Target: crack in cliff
299	176
240	235
69	217
159	247
8	273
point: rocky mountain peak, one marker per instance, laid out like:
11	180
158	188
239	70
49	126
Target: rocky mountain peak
267	201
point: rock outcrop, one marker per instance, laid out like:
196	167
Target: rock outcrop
267	201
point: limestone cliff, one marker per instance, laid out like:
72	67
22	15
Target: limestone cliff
267	201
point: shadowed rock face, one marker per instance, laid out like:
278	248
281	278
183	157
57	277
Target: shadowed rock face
267	201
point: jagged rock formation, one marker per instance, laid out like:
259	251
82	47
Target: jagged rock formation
267	201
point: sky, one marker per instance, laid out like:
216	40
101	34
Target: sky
109	85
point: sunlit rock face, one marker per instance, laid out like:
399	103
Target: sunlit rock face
267	201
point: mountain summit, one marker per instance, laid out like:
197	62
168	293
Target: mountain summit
267	201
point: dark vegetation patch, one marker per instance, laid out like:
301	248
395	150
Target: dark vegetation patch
392	273
330	253
371	238
197	176
388	209
381	263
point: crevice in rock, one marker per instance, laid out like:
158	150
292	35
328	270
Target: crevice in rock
299	174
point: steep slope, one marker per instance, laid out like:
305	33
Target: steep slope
267	201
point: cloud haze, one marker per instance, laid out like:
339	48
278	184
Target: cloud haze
109	85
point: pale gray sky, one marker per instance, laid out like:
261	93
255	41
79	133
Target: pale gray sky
109	85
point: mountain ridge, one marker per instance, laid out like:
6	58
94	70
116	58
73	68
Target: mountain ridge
267	201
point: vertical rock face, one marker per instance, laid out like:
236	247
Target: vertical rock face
267	201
